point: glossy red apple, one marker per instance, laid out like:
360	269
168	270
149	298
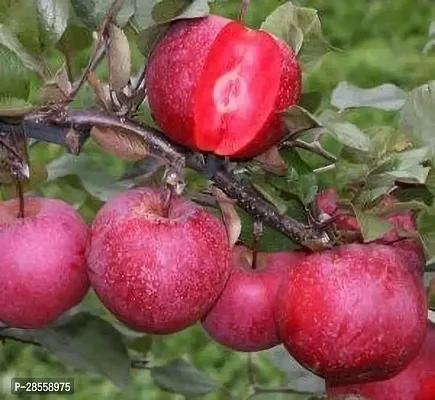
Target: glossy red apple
403	222
416	382
215	85
157	273
243	316
42	261
353	313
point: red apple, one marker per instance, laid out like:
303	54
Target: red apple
157	273
416	382
42	261
411	250
243	316
215	85
353	313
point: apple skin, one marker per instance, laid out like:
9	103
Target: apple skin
353	313
157	275
243	317
416	382
411	250
42	261
175	67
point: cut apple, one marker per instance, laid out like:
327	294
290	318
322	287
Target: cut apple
237	89
216	86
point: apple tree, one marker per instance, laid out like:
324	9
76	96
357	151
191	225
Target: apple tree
164	167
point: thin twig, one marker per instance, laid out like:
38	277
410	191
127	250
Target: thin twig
158	145
100	46
314	147
243	10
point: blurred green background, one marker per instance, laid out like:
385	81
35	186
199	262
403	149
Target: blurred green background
381	41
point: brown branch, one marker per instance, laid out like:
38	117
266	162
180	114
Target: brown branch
175	155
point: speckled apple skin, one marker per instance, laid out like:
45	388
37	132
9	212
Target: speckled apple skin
175	67
243	316
42	261
416	382
410	250
353	313
157	275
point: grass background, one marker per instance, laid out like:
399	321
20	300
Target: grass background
382	41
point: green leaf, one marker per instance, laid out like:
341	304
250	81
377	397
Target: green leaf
412	158
384	97
74	39
147	38
348	134
296	376
297	119
12	107
413	175
89	342
153	12
350	173
166	10
85	12
95	179
310	101
10	41
270	194
426	229
430	181
92	12
417	117
300	28
386	139
141	344
183	378
299	181
54	15
412	205
372	227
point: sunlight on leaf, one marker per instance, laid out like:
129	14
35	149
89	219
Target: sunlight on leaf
9	40
387	97
417	118
301	29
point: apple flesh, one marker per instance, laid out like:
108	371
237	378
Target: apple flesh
416	382
243	316
157	273
215	85
353	313
410	249
42	261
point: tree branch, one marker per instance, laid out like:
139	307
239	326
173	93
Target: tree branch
52	127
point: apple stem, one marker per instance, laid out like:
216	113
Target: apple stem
167	201
20	194
257	232
243	9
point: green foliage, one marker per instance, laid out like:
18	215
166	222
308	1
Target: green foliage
353	114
